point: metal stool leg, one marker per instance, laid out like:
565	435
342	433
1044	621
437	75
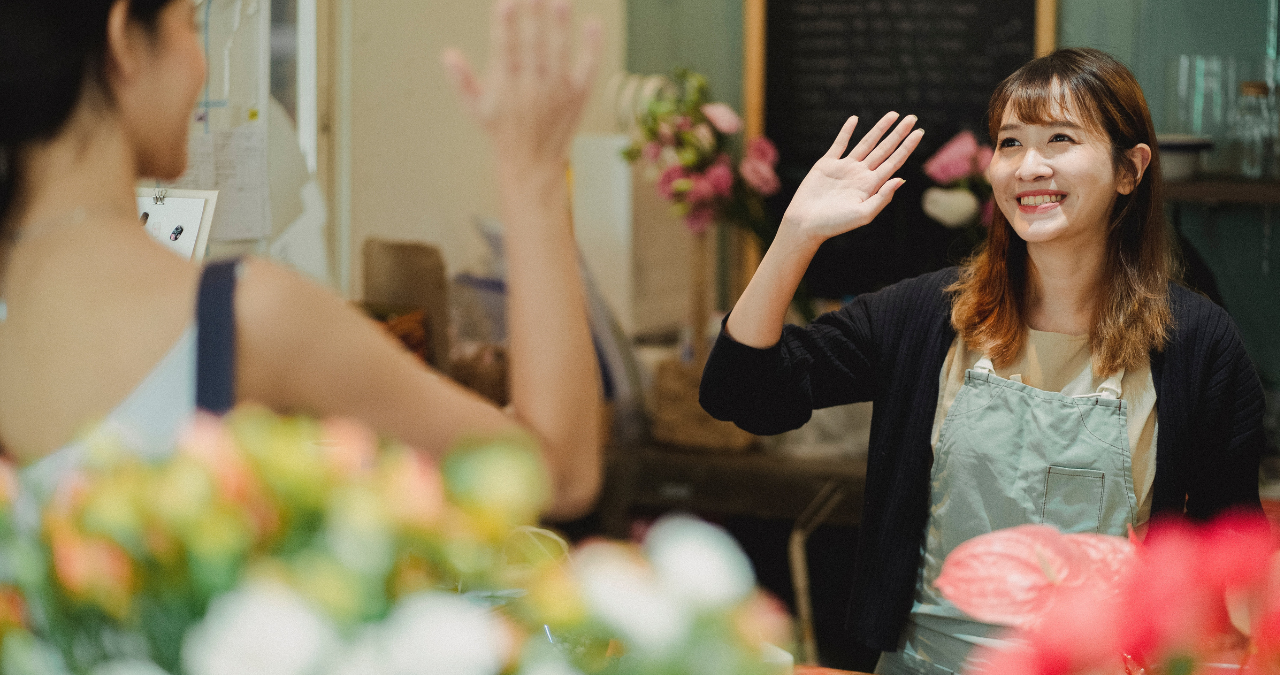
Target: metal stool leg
817	511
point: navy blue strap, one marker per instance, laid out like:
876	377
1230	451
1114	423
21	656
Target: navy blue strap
216	338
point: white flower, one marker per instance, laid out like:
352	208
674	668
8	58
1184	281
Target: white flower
438	633
953	207
263	628
699	562
624	593
365	656
129	668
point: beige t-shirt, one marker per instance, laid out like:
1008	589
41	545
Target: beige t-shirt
1057	362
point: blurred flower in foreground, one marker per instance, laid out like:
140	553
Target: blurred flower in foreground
262	628
288	546
1184	599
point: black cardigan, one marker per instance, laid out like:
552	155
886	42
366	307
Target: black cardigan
888	347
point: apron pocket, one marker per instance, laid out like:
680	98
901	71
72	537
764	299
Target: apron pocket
1073	499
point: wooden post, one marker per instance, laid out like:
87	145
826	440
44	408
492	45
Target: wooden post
1046	26
698	298
753	75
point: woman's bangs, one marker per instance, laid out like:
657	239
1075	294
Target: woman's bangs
1048	100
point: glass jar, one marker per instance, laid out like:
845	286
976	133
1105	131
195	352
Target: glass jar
1251	133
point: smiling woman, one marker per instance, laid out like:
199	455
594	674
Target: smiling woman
1076	180
1020	388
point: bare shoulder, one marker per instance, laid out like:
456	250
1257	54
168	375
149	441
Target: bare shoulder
279	309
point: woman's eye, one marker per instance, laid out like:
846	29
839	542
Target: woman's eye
1060	138
1009	143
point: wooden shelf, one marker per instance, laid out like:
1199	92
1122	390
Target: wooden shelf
1223	191
657	477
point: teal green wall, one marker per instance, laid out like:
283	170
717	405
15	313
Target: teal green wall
1148	35
705	35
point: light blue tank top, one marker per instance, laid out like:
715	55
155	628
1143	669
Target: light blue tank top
147	422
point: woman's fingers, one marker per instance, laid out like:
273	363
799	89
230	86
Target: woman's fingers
464	79
890	143
504	37
544	28
899	156
863	148
561	33
584	74
842	139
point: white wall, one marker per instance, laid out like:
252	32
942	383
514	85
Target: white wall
419	169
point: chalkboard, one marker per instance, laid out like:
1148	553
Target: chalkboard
937	59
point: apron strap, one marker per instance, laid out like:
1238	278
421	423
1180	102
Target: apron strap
1110	388
984	365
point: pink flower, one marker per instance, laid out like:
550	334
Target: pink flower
652	152
701	192
953	161
723	118
985	153
699	219
1015	576
683	123
762	149
350	447
760	176
1169	605
720	176
668	179
1236	550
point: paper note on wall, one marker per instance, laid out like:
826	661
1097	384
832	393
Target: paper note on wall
227	143
244	206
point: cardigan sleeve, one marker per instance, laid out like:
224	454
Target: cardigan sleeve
769	391
1224	473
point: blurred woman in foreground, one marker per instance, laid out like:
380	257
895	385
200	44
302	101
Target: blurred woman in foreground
99	322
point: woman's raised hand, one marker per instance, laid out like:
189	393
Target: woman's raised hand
531	97
844	193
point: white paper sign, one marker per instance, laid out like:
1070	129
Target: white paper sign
181	223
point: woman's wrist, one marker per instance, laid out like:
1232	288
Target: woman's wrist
793	240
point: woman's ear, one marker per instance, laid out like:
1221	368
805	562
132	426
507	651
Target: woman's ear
1139	157
124	57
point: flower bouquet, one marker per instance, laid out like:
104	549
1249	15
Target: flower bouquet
690	146
287	546
1186	600
685	142
963	196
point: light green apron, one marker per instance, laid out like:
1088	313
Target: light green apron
1009	454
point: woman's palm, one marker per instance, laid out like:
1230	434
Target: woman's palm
843	193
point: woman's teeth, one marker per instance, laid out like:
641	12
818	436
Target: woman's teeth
1041	199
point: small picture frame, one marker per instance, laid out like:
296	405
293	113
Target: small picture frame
179	219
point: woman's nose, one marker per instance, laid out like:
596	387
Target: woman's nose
1033	166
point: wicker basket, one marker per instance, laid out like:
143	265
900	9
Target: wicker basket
678	419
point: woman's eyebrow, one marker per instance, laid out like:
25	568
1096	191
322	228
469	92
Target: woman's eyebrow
1061	124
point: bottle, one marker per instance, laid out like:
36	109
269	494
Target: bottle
1252	132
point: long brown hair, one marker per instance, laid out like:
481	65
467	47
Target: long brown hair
1133	315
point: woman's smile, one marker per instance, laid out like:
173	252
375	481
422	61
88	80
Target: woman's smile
1035	202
